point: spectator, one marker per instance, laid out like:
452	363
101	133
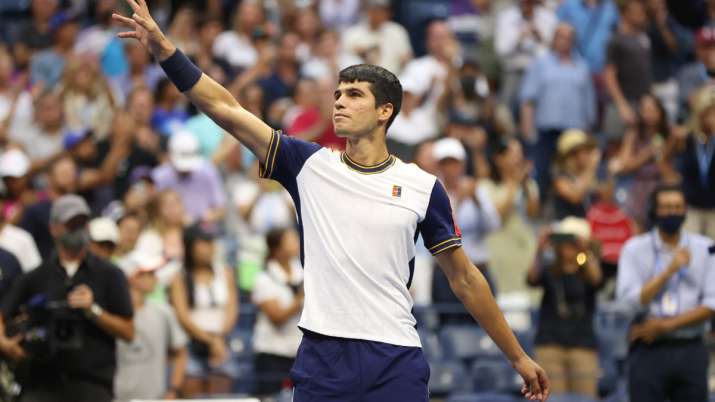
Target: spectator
311	119
594	21
104	236
339	14
575	178
377	40
474	138
38	126
697	74
666	278
37	33
642	155
206	303
62	180
278	293
160	344
328	58
628	75
208	29
182	30
98	307
284	73
473	23
195	179
556	94
523	33
86	98
14	171
565	339
264	205
308	27
140	71
474	213
696	165
130	227
423	82
20	243
47	65
671	45
10	271
98	41
235	46
169	115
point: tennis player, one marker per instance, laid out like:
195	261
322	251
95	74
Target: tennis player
359	214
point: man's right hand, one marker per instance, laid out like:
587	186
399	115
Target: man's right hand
681	258
11	348
146	30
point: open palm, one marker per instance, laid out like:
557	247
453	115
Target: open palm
145	29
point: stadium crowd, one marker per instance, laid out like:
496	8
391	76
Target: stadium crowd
550	123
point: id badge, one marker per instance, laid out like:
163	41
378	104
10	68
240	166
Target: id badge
669	304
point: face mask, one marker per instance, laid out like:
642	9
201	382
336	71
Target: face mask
75	242
670	224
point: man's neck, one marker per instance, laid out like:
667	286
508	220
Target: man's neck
671	240
368	150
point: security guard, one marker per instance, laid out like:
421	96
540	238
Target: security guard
668	276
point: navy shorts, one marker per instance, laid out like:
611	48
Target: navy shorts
329	369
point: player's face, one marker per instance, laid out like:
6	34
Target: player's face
354	111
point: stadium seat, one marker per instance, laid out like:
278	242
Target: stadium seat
446	378
431	346
494	376
467	343
427	317
483	397
570	398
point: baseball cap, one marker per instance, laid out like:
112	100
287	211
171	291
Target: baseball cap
573	226
61	18
67	207
14	163
705	36
141	260
184	151
572	139
448	148
103	229
72	138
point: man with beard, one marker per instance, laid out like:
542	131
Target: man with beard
82	304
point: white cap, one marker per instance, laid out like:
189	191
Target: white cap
14	163
141	260
449	148
574	226
184	151
103	229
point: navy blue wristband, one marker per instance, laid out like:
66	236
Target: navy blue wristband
181	71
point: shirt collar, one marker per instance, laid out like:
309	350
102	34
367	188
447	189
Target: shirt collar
660	246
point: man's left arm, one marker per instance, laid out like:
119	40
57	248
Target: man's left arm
469	285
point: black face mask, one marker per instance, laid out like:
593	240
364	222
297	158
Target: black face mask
670	224
75	242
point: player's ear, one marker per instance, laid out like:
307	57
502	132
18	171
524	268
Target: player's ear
384	112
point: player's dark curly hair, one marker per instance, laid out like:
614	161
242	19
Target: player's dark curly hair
384	85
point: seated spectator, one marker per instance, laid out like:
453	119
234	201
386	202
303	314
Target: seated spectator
103	235
575	175
642	156
19	243
48	65
168	115
195	179
159	346
278	293
565	339
206	303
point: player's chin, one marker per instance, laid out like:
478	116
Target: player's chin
343	132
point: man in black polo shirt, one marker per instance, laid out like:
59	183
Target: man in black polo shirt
92	298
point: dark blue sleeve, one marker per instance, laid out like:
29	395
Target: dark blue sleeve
438	229
285	158
10	270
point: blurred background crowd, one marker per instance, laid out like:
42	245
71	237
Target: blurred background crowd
542	119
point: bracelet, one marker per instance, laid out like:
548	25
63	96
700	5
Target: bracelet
181	71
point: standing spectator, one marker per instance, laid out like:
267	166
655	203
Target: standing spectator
523	32
285	71
665	276
169	114
47	65
629	72
328	58
475	214
594	21
642	155
194	178
699	73
697	165
671	45
20	243
278	293
556	94
575	180
159	346
565	339
99	308
377	40
423	82
473	23
206	303
235	46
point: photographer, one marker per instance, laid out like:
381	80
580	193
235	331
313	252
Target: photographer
75	305
569	271
278	292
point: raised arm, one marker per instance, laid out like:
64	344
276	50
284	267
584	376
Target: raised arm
208	95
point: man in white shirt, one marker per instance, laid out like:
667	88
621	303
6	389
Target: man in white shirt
359	214
19	243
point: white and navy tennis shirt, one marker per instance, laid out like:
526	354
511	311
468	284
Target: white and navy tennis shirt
359	225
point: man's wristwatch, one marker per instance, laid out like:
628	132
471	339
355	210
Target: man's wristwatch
94	312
